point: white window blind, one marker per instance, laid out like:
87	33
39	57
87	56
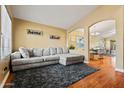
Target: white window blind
5	33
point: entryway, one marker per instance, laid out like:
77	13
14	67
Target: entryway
102	41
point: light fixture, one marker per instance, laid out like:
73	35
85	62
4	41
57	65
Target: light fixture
94	33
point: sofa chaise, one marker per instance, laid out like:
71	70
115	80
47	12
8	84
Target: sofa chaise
27	58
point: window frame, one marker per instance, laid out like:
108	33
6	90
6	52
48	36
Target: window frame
5	49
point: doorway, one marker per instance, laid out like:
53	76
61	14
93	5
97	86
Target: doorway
102	41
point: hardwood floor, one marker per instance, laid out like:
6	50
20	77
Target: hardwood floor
106	77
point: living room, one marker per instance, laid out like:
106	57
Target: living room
57	53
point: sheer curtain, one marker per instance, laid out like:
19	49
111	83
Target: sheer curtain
5	33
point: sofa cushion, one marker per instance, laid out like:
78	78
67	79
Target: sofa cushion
28	66
53	51
15	55
24	52
65	50
71	57
30	50
37	52
67	59
24	61
46	52
59	50
51	58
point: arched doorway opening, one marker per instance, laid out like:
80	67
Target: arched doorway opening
102	40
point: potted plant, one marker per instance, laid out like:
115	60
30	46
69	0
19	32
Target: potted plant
71	47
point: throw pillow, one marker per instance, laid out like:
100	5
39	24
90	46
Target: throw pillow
53	51
24	52
46	52
38	52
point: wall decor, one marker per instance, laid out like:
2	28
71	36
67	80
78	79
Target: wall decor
54	37
34	32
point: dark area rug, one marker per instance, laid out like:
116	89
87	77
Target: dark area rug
52	76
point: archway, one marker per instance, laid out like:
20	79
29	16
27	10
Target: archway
102	40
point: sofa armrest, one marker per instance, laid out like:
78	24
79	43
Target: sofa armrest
15	55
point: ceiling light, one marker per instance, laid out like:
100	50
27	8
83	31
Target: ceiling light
95	33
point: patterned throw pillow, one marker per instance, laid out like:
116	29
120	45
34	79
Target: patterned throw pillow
24	52
46	52
37	52
53	51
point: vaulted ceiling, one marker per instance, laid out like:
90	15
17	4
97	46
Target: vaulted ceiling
62	16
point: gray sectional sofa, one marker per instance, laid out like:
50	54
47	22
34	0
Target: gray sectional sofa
36	57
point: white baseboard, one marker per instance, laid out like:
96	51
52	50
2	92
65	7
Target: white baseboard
4	80
119	70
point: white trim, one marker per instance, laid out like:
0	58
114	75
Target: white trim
4	80
119	70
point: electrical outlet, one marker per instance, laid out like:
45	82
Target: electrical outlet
5	68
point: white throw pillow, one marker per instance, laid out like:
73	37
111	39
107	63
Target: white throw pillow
24	52
38	52
46	52
53	51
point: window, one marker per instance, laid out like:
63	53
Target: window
80	42
5	35
76	38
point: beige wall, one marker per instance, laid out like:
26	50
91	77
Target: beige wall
100	14
21	38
